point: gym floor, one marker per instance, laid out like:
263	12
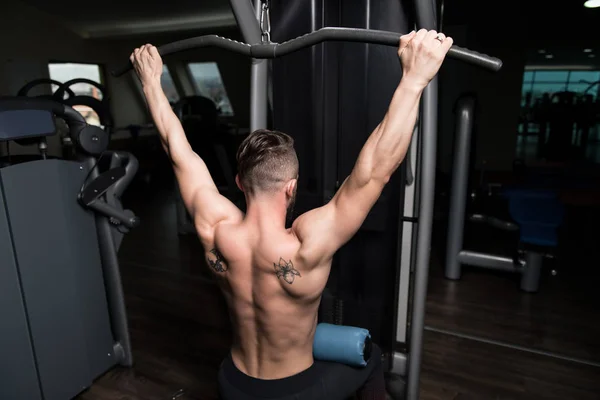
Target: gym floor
180	329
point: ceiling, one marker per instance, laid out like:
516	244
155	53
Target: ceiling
104	18
574	55
563	29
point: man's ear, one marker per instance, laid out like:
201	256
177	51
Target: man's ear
238	182
290	187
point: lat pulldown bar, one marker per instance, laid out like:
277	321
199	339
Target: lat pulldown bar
329	34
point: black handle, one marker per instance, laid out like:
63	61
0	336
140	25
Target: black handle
125	217
96	188
272	50
130	164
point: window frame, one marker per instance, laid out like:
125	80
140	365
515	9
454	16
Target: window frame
101	68
196	88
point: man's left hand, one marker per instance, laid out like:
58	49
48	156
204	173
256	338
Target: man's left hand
147	64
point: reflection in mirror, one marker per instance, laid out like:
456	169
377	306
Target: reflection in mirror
559	114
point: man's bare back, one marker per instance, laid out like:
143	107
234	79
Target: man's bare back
273	297
273	277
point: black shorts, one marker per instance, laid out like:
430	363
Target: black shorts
323	380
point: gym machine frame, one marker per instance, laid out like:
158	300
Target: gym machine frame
72	337
530	268
254	25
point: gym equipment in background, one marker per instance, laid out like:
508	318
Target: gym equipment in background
84	104
537	215
64	94
24	91
61	224
564	121
254	24
99	103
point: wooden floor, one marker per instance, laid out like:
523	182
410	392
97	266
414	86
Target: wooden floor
180	330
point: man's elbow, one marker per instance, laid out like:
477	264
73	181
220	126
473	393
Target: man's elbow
382	175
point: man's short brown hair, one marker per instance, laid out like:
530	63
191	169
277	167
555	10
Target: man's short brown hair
266	160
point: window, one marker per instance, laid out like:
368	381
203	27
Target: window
585	76
540	82
538	89
208	82
63	72
551	76
166	81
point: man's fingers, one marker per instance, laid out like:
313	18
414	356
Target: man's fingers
404	41
419	37
154	52
446	44
430	36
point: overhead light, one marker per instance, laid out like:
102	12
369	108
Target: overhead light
549	56
592	4
587	50
541	51
591	55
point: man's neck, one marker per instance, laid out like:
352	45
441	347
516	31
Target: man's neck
268	212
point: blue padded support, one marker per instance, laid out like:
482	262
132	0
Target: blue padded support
538	212
343	344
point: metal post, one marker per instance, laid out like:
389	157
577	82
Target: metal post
247	19
460	178
530	280
259	85
114	286
489	261
428	160
408	229
425	19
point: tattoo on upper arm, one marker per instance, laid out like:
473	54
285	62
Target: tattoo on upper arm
285	269
218	265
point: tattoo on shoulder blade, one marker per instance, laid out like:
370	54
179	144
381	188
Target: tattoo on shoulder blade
218	265
285	269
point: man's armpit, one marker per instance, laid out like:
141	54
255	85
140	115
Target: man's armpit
218	263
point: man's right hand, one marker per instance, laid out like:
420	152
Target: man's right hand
422	54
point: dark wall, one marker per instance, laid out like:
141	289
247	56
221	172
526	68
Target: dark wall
498	100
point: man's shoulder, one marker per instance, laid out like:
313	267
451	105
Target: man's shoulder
309	222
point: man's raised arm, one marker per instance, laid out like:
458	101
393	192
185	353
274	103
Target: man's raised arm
324	230
198	190
148	66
